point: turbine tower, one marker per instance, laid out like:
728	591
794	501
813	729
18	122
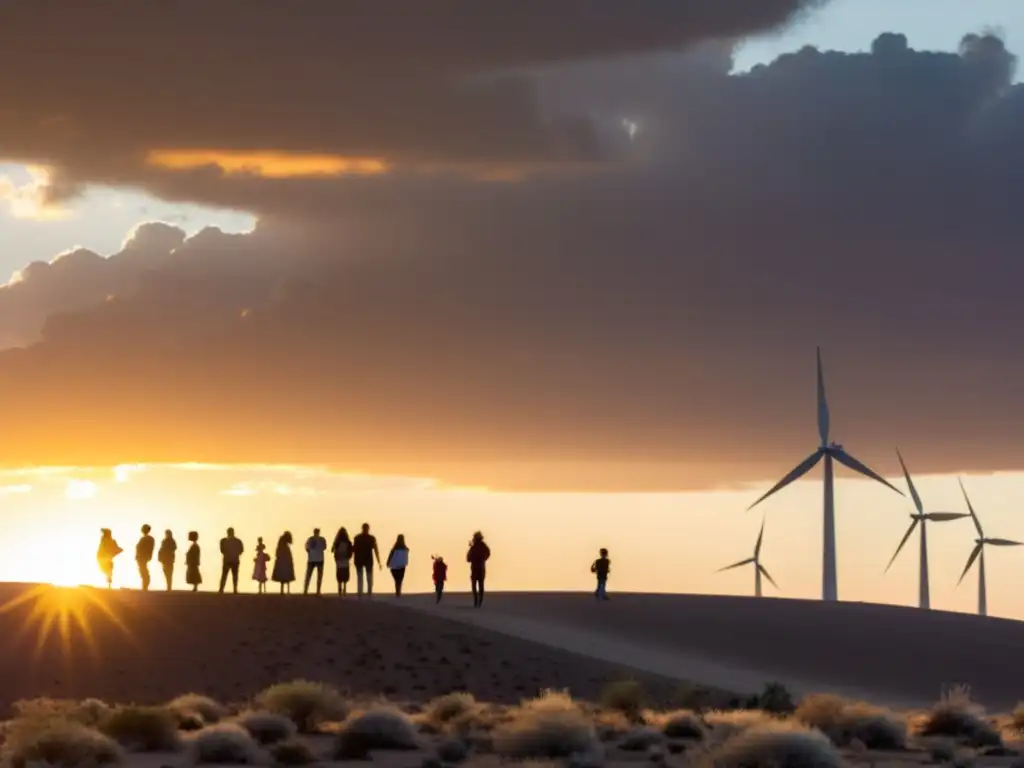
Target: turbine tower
922	517
978	553
759	569
827	451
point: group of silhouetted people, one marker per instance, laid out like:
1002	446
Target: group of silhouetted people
360	551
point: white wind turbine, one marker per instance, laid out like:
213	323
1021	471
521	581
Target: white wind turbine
922	517
978	553
759	569
827	451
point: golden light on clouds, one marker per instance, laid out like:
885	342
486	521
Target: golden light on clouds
31	199
272	165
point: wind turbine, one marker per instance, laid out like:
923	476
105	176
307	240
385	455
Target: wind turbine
827	451
922	517
978	553
759	569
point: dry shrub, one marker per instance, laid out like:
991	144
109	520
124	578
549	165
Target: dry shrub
725	724
226	744
611	725
957	716
845	721
774	744
188	705
292	752
54	741
1017	718
550	726
88	712
306	703
267	727
641	739
380	728
451	706
678	724
625	696
142	729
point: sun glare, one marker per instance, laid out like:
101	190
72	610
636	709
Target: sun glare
273	165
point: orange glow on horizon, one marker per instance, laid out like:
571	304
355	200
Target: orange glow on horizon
267	164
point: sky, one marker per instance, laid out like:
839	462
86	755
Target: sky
573	279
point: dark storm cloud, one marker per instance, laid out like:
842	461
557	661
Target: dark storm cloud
648	325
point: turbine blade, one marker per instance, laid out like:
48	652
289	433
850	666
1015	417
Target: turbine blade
974	515
970	561
748	561
799	471
822	404
1003	542
906	536
844	458
944	517
760	538
764	572
910	485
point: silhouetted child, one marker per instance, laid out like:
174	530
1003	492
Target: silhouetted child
259	572
440	576
601	568
192	574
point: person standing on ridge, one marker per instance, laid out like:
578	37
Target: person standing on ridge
259	571
105	554
440	574
364	549
398	561
316	545
231	549
477	556
342	549
192	574
143	556
284	564
601	568
166	556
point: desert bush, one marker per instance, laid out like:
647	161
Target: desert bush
845	721
208	710
380	728
451	706
306	703
142	729
641	739
774	744
726	724
87	712
291	751
625	696
226	744
267	727
62	743
452	750
1017	718
774	698
955	715
550	726
679	724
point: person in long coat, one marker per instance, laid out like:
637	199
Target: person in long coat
192	562
284	565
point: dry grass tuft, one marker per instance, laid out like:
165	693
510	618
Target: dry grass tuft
957	716
58	742
452	706
209	711
267	727
292	752
774	744
88	712
381	728
226	744
725	724
306	703
846	721
142	729
550	726
678	724
625	696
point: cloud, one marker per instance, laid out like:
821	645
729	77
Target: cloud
650	324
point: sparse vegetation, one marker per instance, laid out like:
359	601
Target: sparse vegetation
142	729
451	706
774	744
59	742
625	696
87	712
189	705
267	727
226	744
957	716
678	724
550	726
292	752
846	721
728	723
774	698
306	703
381	728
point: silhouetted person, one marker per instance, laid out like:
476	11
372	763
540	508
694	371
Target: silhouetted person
477	556
166	555
440	574
259	571
601	568
284	566
364	548
342	549
192	574
143	556
398	561
231	549
316	545
105	554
